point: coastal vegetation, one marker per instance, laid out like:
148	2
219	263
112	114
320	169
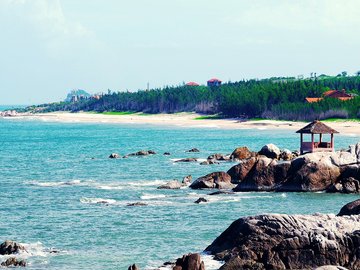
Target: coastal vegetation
273	98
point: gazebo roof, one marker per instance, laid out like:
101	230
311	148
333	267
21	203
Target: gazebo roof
317	127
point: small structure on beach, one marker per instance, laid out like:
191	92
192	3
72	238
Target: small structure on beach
316	127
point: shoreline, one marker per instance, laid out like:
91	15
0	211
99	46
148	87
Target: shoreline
185	120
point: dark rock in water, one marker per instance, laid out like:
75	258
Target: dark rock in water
201	200
10	247
240	171
347	185
187	180
189	262
241	153
220	192
289	242
13	262
220	180
209	162
270	150
166	154
187	160
352	208
143	153
133	267
174	184
193	150
218	157
137	204
114	155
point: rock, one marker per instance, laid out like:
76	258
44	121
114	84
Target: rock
13	262
286	155
174	184
209	162
143	153
187	160
311	172
10	247
137	204
167	154
133	267
193	150
277	241
352	208
218	157
189	262
114	155
220	192
187	180
241	153
220	180
347	185
240	171
350	171
201	200
270	150
330	267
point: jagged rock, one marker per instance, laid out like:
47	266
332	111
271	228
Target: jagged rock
193	150
167	154
220	180
218	157
189	262
10	247
137	204
187	160
114	155
270	150
240	171
174	184
133	267
352	208
201	200
286	155
187	180
241	153
289	242
13	262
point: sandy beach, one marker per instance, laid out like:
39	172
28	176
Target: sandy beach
188	120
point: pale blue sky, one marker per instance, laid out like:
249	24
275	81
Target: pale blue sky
49	47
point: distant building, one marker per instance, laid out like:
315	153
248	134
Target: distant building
192	84
214	82
339	94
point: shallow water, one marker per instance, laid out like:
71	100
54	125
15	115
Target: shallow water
59	190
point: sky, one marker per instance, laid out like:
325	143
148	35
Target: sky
49	47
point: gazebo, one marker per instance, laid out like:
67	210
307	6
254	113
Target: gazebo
316	127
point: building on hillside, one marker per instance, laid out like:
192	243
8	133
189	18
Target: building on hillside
192	84
214	82
339	94
316	127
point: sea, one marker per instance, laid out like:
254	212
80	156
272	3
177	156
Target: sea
66	201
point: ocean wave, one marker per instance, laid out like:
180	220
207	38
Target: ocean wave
152	196
210	263
56	184
110	187
146	183
97	201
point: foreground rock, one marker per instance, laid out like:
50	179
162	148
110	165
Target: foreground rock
10	247
220	180
289	242
13	262
189	262
174	184
352	208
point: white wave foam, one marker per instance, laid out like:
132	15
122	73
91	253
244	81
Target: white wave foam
146	183
56	184
152	196
210	263
110	187
97	201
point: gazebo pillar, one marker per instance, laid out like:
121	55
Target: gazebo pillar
312	142
332	141
301	144
320	138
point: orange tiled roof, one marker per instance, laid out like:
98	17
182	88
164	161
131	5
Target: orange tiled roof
312	100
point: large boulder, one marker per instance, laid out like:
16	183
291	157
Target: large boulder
270	150
277	241
220	180
241	170
189	262
241	153
346	185
10	247
312	172
352	208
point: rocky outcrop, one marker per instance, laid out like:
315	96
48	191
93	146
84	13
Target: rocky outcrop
241	153
10	247
13	262
352	208
270	150
220	180
187	160
189	262
289	242
114	155
174	184
239	172
347	185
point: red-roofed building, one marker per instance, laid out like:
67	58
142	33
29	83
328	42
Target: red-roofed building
214	82
192	84
341	95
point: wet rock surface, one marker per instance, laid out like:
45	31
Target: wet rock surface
220	180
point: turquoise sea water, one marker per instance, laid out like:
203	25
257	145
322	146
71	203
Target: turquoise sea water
53	175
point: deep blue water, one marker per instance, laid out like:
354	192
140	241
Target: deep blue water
52	175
